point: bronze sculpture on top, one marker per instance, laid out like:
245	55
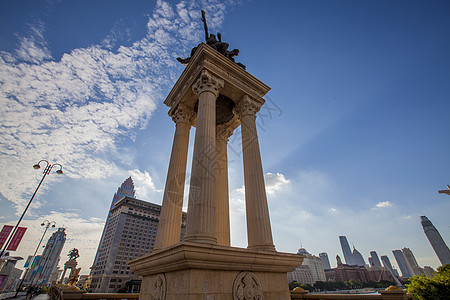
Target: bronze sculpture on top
217	45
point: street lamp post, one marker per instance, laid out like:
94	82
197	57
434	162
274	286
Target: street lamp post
447	191
47	224
47	170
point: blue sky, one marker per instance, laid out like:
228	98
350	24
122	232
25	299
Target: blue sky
354	136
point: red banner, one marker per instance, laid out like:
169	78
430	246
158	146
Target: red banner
4	234
16	238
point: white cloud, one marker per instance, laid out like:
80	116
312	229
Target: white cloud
383	204
275	182
72	111
144	186
83	234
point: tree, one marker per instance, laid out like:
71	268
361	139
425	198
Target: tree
435	288
293	285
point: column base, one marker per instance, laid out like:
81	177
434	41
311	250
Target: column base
198	271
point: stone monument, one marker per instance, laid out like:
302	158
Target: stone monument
215	95
72	265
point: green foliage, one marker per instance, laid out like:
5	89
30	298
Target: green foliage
435	288
349	285
306	286
293	285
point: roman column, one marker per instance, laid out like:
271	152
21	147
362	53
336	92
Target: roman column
201	216
171	211
223	132
259	232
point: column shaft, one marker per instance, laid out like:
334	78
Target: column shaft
258	222
222	195
200	223
170	219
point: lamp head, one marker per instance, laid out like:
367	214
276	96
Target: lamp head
59	172
53	225
42	224
36	166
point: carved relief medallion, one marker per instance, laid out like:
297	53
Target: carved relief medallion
159	288
247	287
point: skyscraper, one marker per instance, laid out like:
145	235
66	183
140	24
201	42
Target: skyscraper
325	261
126	189
412	262
49	258
403	264
387	265
374	260
130	233
346	250
436	241
357	258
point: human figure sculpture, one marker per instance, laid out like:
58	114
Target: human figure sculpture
73	254
215	43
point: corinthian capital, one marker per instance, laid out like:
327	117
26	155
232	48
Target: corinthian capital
208	82
223	132
182	114
247	106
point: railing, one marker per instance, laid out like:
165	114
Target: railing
65	293
391	293
97	296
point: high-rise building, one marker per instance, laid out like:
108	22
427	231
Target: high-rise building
126	189
325	261
357	258
436	241
428	271
402	263
412	262
313	263
348	256
374	260
130	233
387	264
49	259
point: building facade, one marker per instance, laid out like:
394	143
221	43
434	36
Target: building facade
436	240
412	262
348	256
301	274
345	272
126	189
358	258
325	260
48	261
130	233
402	263
374	261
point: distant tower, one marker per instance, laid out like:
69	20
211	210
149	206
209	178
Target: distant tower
409	256
325	261
436	241
126	189
339	261
50	257
374	260
357	258
346	250
403	264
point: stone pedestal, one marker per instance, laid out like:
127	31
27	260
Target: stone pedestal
197	271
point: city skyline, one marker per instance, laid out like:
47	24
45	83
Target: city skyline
351	134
